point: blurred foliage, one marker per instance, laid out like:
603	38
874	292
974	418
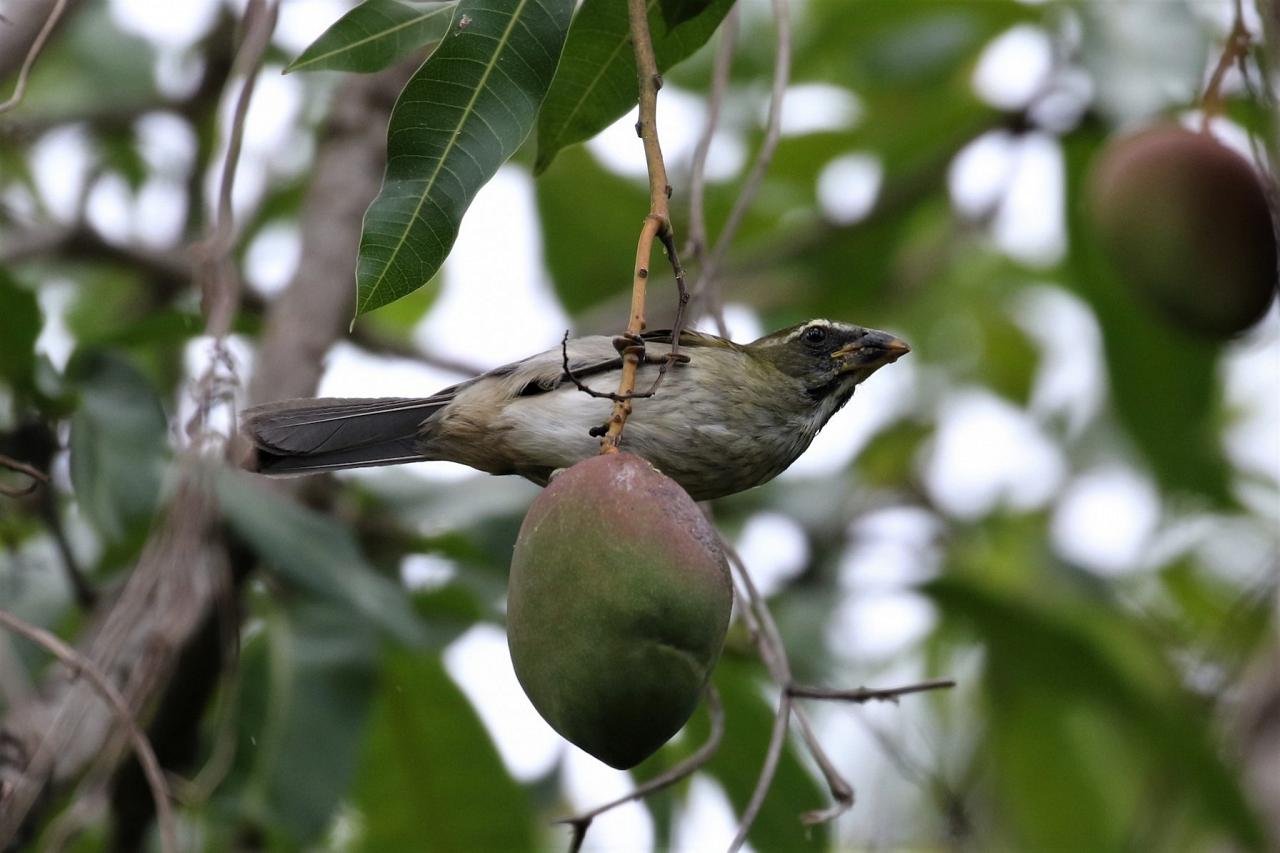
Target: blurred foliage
1098	704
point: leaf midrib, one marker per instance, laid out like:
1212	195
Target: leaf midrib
453	138
573	113
448	6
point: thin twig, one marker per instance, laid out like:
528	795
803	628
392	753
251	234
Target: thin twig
773	652
219	282
38	477
707	283
777	738
697	245
867	694
221	290
85	595
1236	48
621	344
37	45
81	665
715	709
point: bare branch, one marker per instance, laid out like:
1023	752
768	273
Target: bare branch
777	739
867	694
33	52
38	477
80	665
773	652
1235	50
751	186
220	288
697	245
715	709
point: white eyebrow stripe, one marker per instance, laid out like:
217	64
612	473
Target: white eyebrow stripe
819	321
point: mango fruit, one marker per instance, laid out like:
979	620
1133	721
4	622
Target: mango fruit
617	606
1185	221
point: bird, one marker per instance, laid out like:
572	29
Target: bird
725	418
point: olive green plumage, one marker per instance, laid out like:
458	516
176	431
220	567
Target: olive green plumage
734	416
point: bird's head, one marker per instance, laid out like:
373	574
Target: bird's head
827	357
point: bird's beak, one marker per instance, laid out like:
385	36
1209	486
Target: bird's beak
872	350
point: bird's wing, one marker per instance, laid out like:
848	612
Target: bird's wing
689	339
587	357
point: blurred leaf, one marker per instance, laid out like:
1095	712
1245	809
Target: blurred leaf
119	443
596	81
91	65
375	34
881	47
889	458
399	319
611	213
313	553
736	766
461	116
119	153
430	778
1163	382
323	671
676	12
1009	359
449	611
20	325
1052	667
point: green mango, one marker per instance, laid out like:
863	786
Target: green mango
617	606
1185	220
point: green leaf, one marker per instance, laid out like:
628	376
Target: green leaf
596	81
315	554
608	213
431	778
322	672
20	325
119	444
1081	675
676	12
375	34
464	113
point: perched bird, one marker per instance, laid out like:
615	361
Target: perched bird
731	417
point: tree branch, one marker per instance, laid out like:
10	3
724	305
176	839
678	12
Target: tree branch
80	665
697	173
37	477
707	281
33	52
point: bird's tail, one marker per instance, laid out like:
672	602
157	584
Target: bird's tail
305	436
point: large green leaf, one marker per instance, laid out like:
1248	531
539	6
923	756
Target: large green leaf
431	779
596	81
322	666
119	444
461	116
1077	682
375	34
609	213
313	553
19	328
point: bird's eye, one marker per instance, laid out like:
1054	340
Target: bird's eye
815	335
